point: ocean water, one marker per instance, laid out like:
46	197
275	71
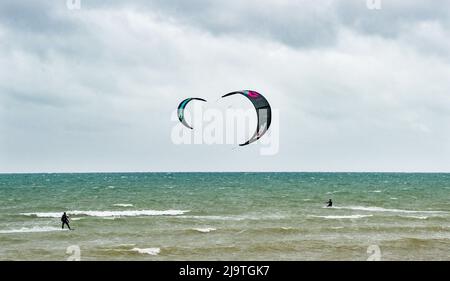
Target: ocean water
225	216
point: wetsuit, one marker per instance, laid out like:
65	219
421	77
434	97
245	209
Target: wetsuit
65	220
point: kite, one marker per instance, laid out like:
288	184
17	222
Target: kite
181	108
263	112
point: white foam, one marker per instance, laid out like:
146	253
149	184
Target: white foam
337	227
343	217
235	217
376	191
205	230
131	213
123	205
416	217
286	228
333	192
32	229
126	245
379	209
43	215
149	251
213	217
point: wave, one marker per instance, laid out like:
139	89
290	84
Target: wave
123	205
375	191
131	213
32	229
271	230
205	230
335	191
337	227
287	228
421	241
148	251
343	217
379	209
235	217
415	217
126	245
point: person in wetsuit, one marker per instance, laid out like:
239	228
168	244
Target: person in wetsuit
65	220
330	203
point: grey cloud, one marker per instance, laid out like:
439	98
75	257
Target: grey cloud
394	17
295	23
35	17
299	24
93	89
21	98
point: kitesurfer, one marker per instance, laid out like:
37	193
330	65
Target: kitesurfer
330	203
65	220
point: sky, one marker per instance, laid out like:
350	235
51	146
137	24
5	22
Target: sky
353	86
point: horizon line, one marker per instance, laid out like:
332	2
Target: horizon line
187	172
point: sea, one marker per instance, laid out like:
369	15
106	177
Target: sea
225	216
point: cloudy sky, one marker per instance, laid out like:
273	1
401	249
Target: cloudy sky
95	88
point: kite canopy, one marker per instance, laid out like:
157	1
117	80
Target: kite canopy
263	112
181	108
